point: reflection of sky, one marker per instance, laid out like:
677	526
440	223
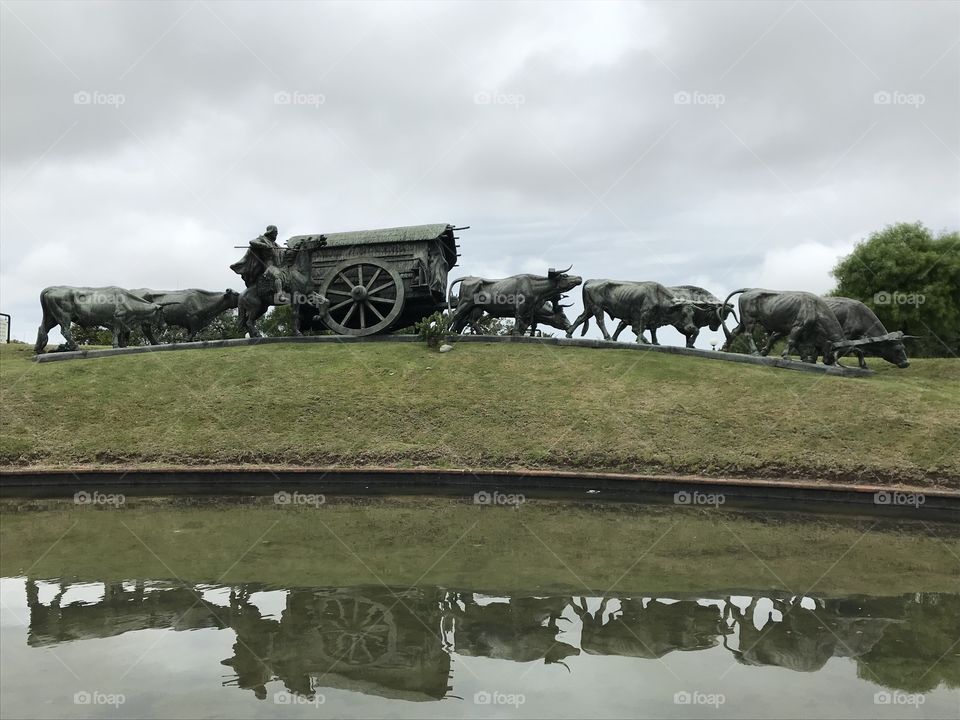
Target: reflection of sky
163	673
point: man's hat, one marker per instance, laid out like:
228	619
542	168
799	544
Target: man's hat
271	229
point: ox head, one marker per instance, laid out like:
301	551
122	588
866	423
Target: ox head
690	315
565	281
891	350
231	297
718	313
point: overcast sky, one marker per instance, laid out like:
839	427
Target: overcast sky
709	143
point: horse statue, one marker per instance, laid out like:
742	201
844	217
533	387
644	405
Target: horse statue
278	276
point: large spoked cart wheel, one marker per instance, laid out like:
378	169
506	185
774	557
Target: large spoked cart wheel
366	295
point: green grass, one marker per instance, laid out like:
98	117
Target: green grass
489	406
542	546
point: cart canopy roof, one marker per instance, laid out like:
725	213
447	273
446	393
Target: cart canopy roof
409	233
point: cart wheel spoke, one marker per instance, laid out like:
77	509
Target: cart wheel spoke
374	278
378	289
346	317
363	316
340	305
346	280
386	301
374	310
331	291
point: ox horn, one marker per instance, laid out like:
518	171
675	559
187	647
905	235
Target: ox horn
567	269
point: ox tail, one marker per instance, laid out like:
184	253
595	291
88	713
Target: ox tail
723	323
450	292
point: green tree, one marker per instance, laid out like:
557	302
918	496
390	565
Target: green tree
911	279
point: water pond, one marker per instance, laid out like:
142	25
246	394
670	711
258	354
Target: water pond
442	608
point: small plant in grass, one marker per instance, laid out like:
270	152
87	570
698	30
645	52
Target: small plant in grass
433	329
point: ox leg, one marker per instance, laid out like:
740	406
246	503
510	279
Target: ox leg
771	339
46	325
69	342
581	319
460	317
653	335
620	328
692	338
147	333
598	316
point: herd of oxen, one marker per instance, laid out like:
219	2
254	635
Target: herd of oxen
813	327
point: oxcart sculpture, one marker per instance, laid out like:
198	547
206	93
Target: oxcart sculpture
377	280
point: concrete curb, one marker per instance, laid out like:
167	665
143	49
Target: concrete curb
759	494
776	362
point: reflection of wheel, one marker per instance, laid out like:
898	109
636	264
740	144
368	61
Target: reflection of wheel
355	630
366	296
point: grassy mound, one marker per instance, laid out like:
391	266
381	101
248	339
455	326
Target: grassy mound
482	406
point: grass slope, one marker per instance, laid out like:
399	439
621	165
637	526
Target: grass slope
481	406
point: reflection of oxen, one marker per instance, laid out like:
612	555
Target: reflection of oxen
804	639
642	305
708	311
651	631
860	323
521	630
190	309
110	307
518	296
807	322
121	610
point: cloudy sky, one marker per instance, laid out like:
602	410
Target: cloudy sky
710	143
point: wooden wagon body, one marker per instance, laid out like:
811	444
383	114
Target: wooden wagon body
381	280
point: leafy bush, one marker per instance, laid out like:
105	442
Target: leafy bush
433	329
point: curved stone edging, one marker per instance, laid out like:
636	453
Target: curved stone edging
553	341
757	494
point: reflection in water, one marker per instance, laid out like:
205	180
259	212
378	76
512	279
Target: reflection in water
399	643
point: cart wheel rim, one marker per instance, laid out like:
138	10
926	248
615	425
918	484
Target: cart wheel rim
366	296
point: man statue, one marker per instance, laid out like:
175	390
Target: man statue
260	264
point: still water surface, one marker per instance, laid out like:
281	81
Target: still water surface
170	644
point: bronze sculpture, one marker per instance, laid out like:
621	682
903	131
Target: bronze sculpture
277	276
